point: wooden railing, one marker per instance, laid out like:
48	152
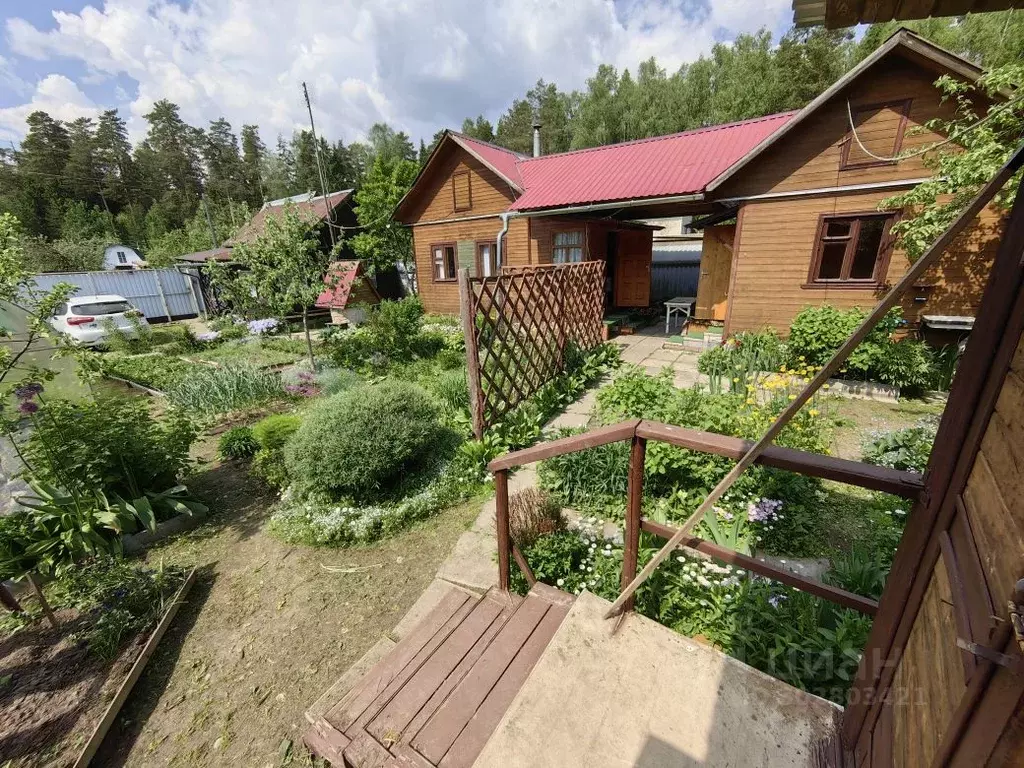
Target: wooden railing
638	432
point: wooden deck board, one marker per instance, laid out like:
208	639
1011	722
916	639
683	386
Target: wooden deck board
440	692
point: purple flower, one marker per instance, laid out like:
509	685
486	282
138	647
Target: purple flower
763	510
259	327
28	391
776	600
27	407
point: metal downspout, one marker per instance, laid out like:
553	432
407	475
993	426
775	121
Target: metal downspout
499	244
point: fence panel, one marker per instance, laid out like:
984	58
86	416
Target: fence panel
673	278
159	294
518	325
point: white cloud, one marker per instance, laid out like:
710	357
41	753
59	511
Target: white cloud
55	94
419	64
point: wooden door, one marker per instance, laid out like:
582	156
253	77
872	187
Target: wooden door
633	269
941	681
715	271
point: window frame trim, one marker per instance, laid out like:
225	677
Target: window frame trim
904	109
479	258
433	264
882	258
582	246
469	191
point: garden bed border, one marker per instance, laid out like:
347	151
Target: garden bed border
100	732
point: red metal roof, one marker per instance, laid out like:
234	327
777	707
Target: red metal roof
502	160
678	164
339	279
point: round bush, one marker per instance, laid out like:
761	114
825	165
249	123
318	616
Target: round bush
358	444
273	432
237	443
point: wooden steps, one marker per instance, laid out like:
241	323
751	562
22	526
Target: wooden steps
436	698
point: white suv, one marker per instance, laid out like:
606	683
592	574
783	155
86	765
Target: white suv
83	318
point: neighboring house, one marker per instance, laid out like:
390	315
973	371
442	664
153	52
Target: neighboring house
122	257
348	293
803	193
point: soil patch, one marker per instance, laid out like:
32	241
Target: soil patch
861	418
265	630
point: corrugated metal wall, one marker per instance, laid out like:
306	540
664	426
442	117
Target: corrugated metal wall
158	293
672	278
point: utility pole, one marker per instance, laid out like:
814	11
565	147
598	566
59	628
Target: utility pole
209	222
319	164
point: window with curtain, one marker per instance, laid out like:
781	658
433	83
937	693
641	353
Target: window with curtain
486	259
445	262
568	247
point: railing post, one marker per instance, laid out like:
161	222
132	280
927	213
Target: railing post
476	399
634	500
501	518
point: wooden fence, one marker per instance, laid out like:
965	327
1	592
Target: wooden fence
518	325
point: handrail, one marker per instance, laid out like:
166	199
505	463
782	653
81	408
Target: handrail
876	478
906	484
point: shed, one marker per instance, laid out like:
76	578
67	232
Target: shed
348	292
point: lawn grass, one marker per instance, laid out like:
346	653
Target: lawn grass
257	352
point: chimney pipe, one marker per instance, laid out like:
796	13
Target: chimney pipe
536	133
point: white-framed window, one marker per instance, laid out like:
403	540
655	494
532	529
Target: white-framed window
567	247
445	262
487	259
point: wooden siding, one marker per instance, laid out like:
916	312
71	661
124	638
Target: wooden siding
443	297
776	243
488	193
929	681
810	157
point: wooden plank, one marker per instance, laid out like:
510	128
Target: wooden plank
896	482
634	504
364	752
476	401
440	732
478	730
508	608
804	584
98	734
624	430
407	673
388	725
326	741
504	535
524	566
346	711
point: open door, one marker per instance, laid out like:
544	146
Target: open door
715	271
633	269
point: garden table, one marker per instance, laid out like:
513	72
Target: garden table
682	305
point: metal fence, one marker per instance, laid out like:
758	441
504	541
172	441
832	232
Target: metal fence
673	278
160	294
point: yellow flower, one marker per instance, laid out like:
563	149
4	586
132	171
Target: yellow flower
750	401
813	411
825	386
792	397
735	381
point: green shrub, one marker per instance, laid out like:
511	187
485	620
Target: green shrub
906	449
393	326
744	355
135	341
111	443
359	444
274	431
206	390
817	332
860	572
452	390
237	443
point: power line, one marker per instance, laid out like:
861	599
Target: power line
319	163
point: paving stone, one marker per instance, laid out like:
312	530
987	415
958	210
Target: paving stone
568	421
473	563
668	355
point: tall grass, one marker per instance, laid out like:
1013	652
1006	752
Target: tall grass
208	391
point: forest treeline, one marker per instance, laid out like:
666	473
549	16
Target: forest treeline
184	188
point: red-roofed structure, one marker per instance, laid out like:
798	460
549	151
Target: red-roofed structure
346	291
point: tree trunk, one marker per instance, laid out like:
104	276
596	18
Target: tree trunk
309	341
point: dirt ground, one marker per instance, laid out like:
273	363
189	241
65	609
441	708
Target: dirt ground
266	630
860	418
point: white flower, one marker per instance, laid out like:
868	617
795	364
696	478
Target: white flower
727	597
680	559
560	582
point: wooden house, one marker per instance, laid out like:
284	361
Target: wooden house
803	191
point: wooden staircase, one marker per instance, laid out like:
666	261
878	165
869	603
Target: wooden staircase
437	697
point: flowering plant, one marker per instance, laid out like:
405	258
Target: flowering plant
259	327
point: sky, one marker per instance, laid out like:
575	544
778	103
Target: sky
419	65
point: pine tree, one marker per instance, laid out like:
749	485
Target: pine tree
253	154
225	174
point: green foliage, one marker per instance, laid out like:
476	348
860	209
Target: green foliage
861	572
207	391
906	449
379	243
111	443
452	389
585	479
138	340
359	444
817	332
392	334
273	432
744	355
156	371
237	443
117	600
392	326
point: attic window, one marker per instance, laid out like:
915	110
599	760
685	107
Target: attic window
461	191
880	129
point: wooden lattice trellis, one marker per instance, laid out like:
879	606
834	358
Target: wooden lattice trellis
518	325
